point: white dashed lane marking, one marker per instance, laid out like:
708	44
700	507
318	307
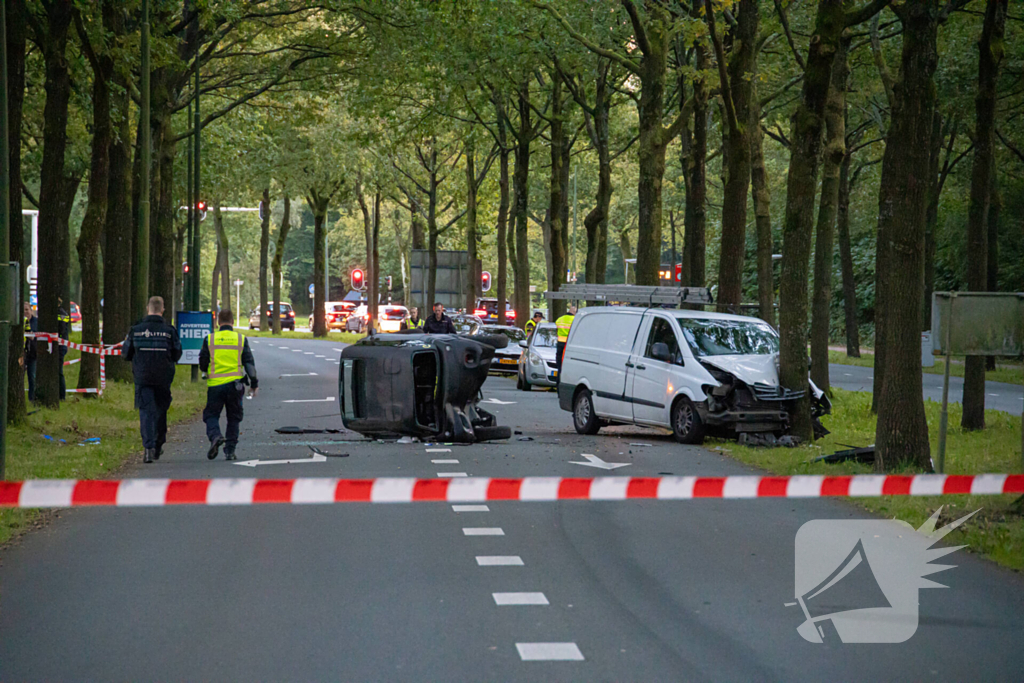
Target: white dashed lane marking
445	462
439	450
503	599
446	475
499	561
549	652
482	531
470	508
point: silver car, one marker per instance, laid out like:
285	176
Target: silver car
537	364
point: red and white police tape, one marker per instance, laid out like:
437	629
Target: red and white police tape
101	351
62	493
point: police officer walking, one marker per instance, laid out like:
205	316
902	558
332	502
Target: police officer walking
153	347
31	326
229	365
563	324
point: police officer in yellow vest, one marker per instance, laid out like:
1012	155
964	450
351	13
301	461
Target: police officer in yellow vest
532	323
563	324
229	366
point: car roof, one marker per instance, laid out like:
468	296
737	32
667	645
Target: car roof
501	327
679	313
546	326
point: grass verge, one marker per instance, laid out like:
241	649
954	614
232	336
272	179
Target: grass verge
111	417
1008	371
997	532
343	337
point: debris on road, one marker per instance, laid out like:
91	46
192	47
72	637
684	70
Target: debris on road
329	455
864	454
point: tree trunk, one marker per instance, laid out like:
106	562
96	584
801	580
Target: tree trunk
264	258
368	242
161	263
472	282
318	205
740	69
375	260
931	220
275	264
760	192
627	254
995	208
990	54
832	157
503	205
16	44
556	197
901	433
651	167
522	196
432	233
117	247
223	250
694	245
53	236
95	217
215	302
846	260
596	221
801	183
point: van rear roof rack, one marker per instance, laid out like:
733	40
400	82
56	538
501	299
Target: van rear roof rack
633	294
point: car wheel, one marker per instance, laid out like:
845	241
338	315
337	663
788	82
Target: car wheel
521	383
687	426
584	419
492	433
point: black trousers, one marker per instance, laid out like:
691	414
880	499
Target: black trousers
153	402
559	350
225	396
30	373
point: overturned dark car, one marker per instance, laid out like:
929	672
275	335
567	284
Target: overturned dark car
414	384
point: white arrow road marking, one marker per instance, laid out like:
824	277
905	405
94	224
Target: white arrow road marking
301	374
594	461
329	399
498	402
253	463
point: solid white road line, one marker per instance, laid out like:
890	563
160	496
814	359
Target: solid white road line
502	599
446	475
499	561
445	462
470	508
329	399
549	652
482	531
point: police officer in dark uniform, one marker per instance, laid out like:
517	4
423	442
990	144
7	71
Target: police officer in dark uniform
31	326
64	332
153	347
229	366
438	323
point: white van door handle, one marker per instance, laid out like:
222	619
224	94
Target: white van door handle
641	367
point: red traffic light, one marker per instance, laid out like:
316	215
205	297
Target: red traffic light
185	268
358	279
201	206
485	281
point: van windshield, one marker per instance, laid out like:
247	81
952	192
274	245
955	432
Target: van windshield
729	337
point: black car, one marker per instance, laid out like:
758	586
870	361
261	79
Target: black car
487	311
413	384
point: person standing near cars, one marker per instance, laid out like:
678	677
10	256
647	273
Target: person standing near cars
413	322
64	332
153	348
29	361
229	366
563	324
439	323
532	323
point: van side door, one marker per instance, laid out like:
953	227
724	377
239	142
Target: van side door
600	351
655	380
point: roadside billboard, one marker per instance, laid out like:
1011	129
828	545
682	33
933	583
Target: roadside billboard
193	328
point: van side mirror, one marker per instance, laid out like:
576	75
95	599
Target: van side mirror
524	344
659	351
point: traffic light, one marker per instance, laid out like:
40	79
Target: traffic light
201	206
485	281
388	280
358	280
185	268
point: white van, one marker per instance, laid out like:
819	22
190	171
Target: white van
681	369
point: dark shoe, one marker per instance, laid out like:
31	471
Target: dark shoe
215	447
159	451
230	456
148	457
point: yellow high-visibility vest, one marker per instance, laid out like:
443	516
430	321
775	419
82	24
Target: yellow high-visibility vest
563	324
530	325
225	357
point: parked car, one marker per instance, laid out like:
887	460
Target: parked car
413	384
506	360
389	318
75	313
336	314
466	324
487	311
537	365
287	317
690	371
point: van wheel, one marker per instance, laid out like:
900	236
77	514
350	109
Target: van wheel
584	419
687	426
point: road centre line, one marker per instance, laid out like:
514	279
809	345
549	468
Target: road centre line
499	561
506	599
439	450
482	531
309	353
329	399
447	475
470	508
549	652
445	462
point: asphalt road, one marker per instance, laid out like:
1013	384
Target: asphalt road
637	590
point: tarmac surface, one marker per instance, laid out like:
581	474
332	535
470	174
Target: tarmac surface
574	590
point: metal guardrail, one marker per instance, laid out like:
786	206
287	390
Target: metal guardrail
634	294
